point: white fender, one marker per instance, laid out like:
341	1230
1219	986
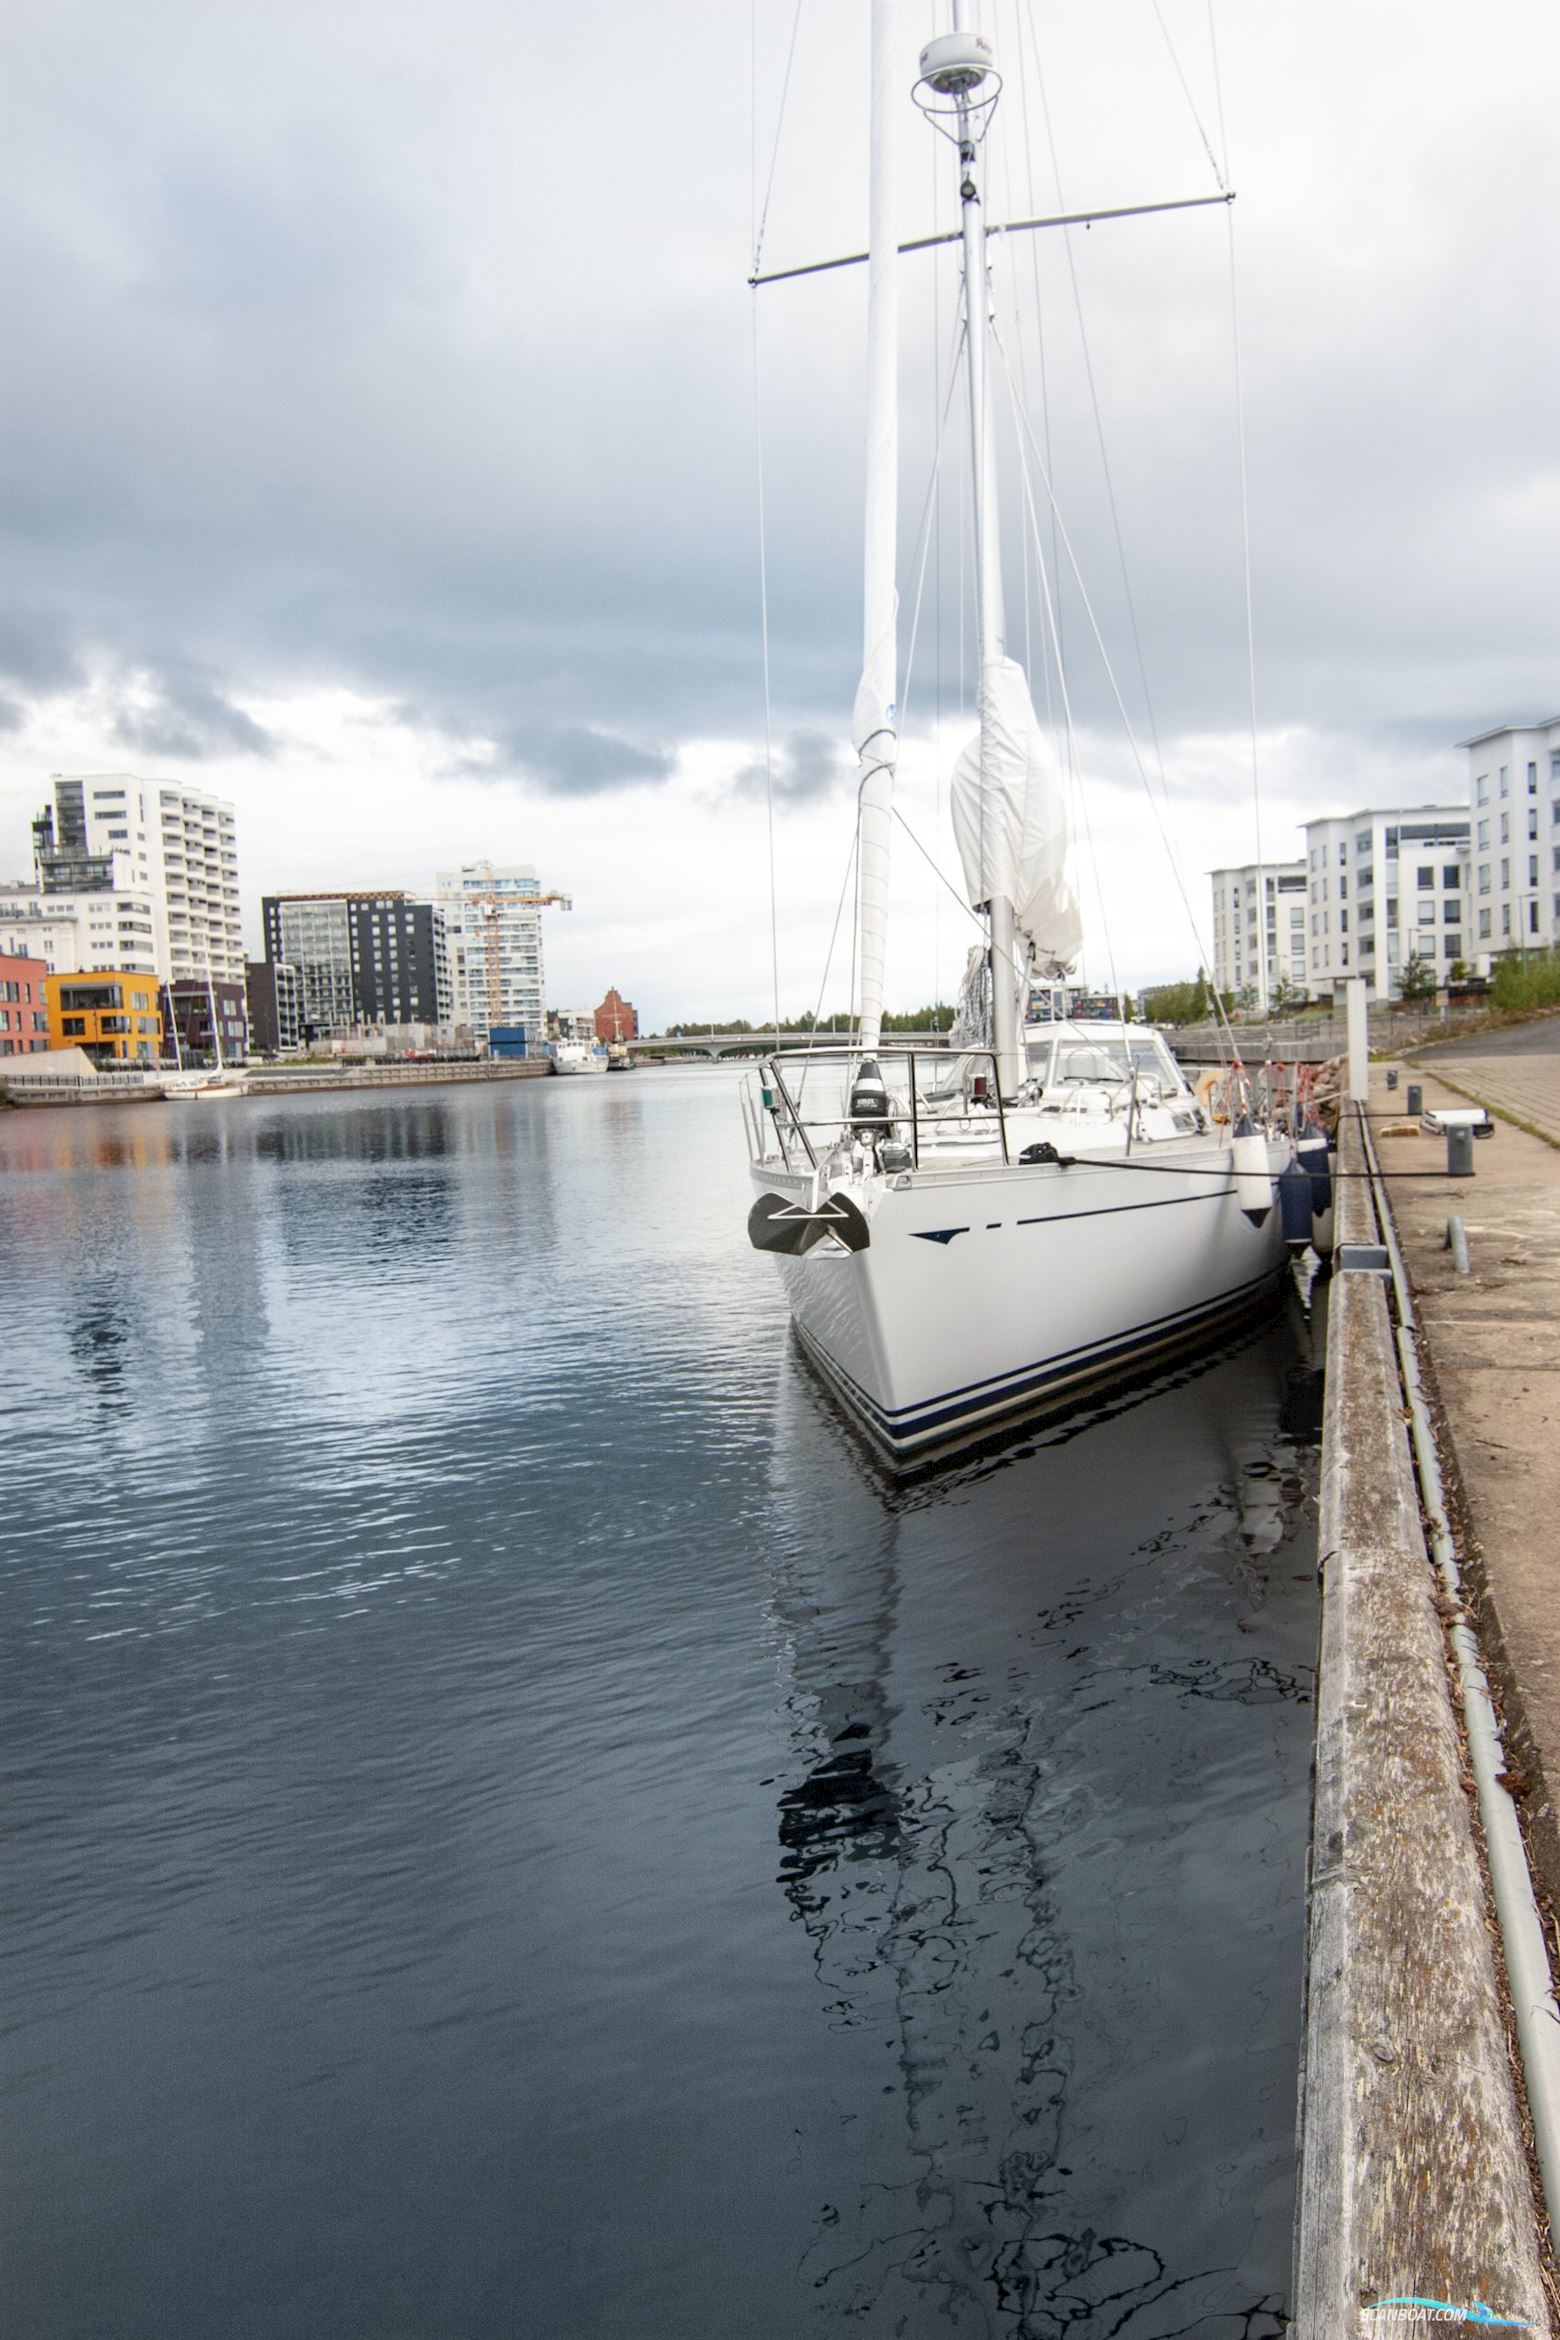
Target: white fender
1253	1179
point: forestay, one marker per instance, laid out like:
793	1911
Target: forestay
875	719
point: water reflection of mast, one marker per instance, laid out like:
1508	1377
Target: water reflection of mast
924	1901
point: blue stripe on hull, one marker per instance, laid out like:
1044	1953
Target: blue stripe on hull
906	1433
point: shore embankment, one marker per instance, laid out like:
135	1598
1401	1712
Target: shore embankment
23	1088
292	1082
1416	2184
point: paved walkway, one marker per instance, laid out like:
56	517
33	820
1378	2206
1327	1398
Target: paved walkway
1493	1344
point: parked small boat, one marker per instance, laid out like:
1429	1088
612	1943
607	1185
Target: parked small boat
578	1056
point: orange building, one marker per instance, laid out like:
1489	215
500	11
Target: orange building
24	1007
115	1017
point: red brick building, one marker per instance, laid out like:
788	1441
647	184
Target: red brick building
616	1019
24	1007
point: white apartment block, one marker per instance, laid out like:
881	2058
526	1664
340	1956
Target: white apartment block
1514	798
1238	962
493	935
571	1024
1385	887
150	850
77	931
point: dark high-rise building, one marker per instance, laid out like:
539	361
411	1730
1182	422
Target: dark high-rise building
273	997
361	958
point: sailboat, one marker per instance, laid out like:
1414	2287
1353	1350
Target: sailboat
220	1084
972	1235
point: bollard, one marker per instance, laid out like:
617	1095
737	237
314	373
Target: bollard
1416	1098
1459	1153
1457	1245
1392	1077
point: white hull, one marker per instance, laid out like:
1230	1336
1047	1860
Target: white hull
577	1056
986	1293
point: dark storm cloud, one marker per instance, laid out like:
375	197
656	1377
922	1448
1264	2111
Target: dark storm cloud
810	765
572	760
183	715
35	653
319	371
304	378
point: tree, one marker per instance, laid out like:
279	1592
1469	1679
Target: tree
1419	982
921	1019
1287	997
1176	1003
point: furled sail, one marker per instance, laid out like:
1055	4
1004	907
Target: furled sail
1010	820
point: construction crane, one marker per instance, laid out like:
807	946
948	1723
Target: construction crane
491	900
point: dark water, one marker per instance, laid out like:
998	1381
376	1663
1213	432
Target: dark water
511	1829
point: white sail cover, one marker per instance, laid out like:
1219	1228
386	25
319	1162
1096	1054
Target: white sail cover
1010	820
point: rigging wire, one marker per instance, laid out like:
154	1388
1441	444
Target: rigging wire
923	538
937	613
839	908
760	231
757	233
938	872
1220	171
1094	403
1045	403
1020	419
763	609
1026	21
943	879
1263	969
934	168
1218	90
1110	672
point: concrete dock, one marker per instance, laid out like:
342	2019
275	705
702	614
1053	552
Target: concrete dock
1493	1338
1417	2200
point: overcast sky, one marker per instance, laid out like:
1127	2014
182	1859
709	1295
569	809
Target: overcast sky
379	445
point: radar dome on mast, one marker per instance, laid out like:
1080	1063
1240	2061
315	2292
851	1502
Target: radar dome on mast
958	72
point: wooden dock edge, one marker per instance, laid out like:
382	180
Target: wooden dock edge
1415	2184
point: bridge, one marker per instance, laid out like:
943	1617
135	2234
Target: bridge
1304	1040
713	1044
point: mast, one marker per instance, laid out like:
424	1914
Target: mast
211	1004
876	713
173	1026
958	89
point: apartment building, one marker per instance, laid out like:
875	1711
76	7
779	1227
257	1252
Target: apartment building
274	999
360	958
205	1022
24	1004
1385	887
1238	960
50	927
114	1013
146	865
1514	802
493	922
